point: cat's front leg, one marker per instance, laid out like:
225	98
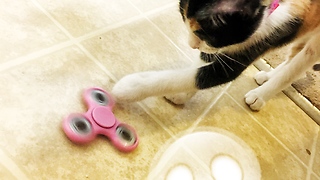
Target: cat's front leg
284	75
138	86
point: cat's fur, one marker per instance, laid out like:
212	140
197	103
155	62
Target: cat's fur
231	34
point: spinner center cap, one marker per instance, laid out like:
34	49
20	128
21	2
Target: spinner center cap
103	117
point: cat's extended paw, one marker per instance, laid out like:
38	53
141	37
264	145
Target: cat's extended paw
254	100
261	77
131	88
180	98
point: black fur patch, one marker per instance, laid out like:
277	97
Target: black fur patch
223	22
228	29
223	69
227	67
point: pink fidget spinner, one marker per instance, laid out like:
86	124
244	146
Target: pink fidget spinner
99	119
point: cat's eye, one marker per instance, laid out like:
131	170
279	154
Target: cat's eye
200	34
203	36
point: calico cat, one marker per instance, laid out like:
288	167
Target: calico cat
231	35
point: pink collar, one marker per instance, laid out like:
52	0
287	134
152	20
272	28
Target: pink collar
273	6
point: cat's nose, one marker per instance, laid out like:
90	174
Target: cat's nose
194	45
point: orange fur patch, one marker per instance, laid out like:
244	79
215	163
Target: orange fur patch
309	11
194	25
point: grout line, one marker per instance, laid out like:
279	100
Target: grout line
104	29
302	103
194	125
108	28
206	111
156	10
191	154
316	175
176	46
119	24
34	55
36	3
145	15
313	156
155	118
72	40
196	158
100	31
11	166
77	42
269	132
115	25
96	61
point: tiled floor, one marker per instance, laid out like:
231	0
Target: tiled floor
52	50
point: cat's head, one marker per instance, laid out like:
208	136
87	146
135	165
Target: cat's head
215	24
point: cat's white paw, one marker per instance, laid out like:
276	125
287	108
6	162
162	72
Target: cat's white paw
261	77
254	100
132	87
180	98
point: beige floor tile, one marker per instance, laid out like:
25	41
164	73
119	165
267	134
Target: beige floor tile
147	5
5	173
313	177
275	161
39	94
179	118
170	22
80	17
25	29
8	168
316	165
281	117
136	47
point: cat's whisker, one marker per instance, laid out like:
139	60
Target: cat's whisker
225	70
217	55
232	59
208	36
214	69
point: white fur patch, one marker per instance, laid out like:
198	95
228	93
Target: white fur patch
138	86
